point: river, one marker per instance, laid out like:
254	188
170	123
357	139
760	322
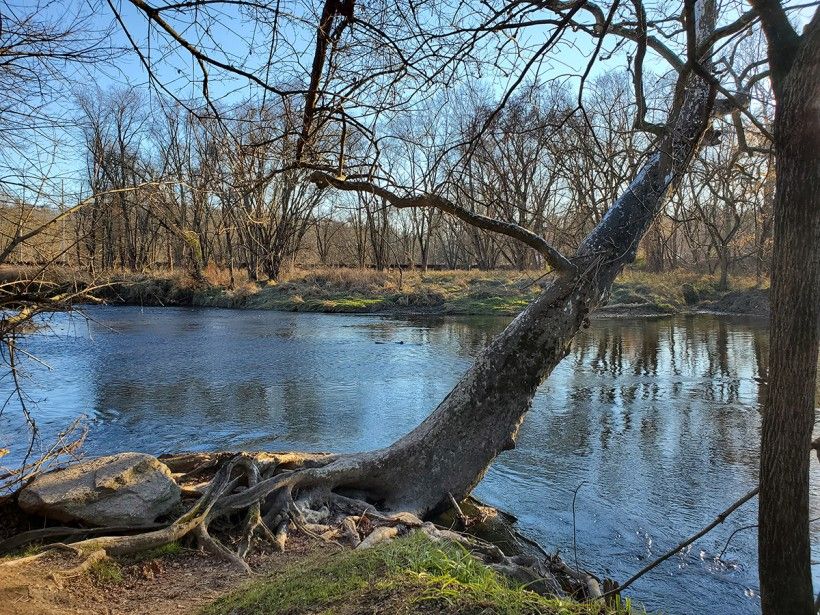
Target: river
655	422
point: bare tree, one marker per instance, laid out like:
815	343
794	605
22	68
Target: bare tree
372	61
446	455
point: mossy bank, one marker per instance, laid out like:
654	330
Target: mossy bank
407	575
494	293
366	291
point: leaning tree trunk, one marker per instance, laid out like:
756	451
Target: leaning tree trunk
450	451
788	411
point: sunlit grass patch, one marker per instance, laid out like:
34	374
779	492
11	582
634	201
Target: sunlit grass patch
171	549
491	306
350	304
409	575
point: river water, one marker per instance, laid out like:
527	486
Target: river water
655	422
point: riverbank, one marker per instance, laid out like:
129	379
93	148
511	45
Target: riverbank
409	575
366	291
104	557
493	293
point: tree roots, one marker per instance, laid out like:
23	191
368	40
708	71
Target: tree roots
253	499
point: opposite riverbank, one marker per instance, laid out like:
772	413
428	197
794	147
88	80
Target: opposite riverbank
479	293
366	291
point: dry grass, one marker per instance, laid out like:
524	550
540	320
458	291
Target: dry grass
327	289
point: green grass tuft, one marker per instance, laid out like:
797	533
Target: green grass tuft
408	575
106	572
168	550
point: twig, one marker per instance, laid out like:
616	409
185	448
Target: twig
732	535
574	536
718	520
459	513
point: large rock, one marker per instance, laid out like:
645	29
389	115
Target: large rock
124	489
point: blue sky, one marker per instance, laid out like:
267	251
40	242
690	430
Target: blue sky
245	43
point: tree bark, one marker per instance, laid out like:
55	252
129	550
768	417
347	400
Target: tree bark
654	248
788	412
723	259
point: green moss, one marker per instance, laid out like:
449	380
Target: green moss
351	304
409	575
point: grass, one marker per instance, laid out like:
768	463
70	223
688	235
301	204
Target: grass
408	575
31	549
490	293
676	291
106	572
171	549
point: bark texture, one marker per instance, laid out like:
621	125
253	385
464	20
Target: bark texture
789	412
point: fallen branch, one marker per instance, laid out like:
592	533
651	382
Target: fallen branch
718	520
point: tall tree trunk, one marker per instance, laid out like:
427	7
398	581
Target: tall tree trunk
788	412
723	260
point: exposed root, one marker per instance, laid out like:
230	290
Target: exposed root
253	522
214	547
379	535
280	538
349	532
81	568
263	497
57	546
21	540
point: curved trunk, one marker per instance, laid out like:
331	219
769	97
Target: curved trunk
450	451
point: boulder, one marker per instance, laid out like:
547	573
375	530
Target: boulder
123	489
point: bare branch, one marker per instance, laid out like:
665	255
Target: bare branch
553	257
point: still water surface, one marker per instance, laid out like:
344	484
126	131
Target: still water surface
657	420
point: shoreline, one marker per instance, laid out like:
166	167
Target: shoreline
368	558
616	312
436	294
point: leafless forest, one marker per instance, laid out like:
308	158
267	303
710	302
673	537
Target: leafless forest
575	138
160	183
164	188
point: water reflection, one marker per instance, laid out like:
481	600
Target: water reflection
657	418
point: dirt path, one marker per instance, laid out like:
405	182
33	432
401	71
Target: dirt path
172	585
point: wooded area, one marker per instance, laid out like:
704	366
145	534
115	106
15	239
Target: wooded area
169	189
698	151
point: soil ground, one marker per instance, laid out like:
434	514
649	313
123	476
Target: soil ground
179	584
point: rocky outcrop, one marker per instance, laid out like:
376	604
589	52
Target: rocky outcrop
123	489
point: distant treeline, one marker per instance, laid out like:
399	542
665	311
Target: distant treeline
168	190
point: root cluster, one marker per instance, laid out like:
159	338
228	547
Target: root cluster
239	500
